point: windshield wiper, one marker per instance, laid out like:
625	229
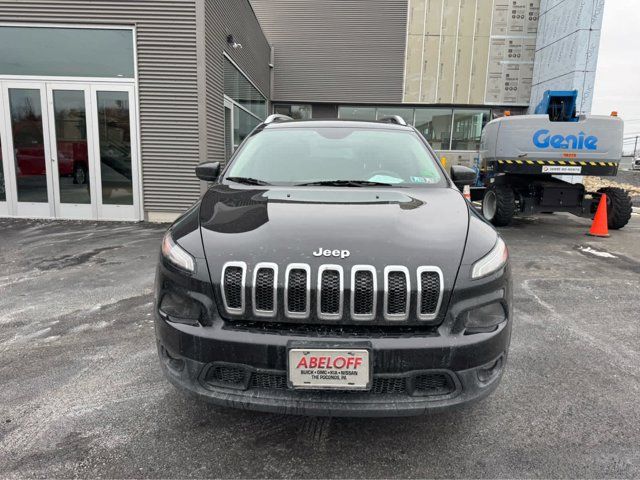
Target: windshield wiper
247	180
345	183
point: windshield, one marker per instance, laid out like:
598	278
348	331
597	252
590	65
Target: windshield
345	156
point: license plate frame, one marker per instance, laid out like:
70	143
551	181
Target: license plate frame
328	381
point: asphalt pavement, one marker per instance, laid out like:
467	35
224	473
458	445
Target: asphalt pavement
82	394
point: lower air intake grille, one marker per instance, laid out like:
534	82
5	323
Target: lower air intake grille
297	291
233	287
241	377
268	381
363	294
389	386
433	384
429	292
225	375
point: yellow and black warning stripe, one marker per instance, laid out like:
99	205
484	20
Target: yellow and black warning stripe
558	162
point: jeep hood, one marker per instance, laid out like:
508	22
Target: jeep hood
382	226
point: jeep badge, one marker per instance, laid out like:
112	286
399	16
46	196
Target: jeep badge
331	253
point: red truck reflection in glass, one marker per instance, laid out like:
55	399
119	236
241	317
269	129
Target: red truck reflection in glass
73	159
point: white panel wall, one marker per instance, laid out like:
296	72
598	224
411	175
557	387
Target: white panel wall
567	49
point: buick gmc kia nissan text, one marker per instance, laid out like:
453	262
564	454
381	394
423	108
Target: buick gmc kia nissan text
334	268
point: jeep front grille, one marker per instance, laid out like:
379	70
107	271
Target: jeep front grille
331	294
297	290
265	290
397	290
363	292
233	282
429	292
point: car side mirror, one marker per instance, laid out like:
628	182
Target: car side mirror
208	171
462	175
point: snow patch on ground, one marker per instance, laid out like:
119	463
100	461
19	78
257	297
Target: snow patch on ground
595	252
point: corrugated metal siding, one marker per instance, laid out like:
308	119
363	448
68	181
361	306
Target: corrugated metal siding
239	20
235	17
166	47
336	50
214	81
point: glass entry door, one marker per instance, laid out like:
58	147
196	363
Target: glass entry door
115	151
70	137
69	151
28	186
4	205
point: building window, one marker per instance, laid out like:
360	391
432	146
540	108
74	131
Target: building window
243	124
357	113
66	52
467	128
245	107
435	125
297	112
444	128
240	90
405	113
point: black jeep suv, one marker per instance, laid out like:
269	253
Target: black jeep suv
334	268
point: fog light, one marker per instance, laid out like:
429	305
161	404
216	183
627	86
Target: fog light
180	308
174	363
485	318
490	371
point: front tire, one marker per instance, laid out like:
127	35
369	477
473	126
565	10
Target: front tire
499	205
618	207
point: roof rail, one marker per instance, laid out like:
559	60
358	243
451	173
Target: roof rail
277	117
397	119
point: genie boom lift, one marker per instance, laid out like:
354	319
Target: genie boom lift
522	158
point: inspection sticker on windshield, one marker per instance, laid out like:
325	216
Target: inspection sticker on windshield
421	180
329	369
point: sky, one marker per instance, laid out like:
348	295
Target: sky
617	85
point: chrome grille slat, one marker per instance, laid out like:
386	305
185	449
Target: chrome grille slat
297	290
364	297
397	293
232	287
330	292
264	292
430	289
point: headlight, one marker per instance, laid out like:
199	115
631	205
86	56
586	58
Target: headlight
485	318
492	262
176	255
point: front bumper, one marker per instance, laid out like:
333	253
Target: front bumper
415	370
254	366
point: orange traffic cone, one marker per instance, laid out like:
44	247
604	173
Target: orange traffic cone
600	225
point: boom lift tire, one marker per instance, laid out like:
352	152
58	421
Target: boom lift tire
499	205
618	207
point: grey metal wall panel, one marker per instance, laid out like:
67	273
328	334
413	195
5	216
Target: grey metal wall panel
336	50
239	20
235	17
214	60
168	96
